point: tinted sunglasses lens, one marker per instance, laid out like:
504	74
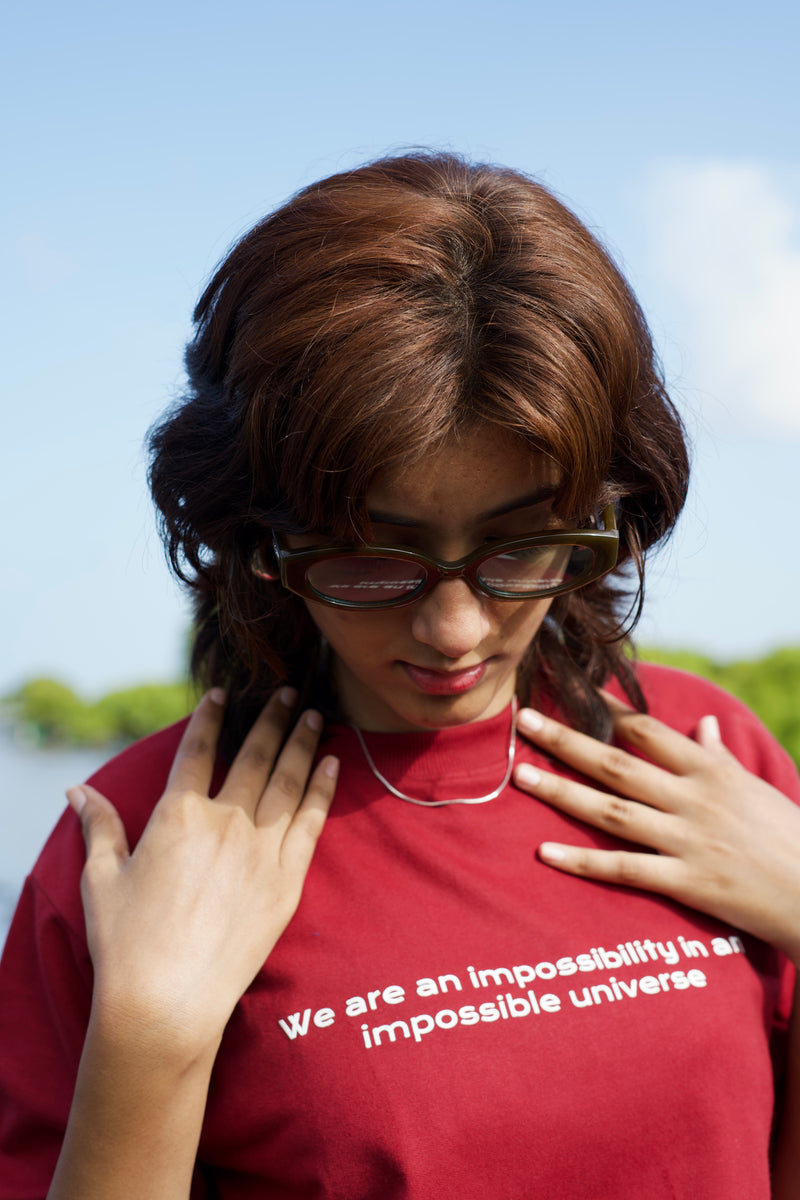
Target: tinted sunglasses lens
536	570
365	580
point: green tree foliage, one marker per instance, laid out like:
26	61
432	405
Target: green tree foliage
138	711
50	713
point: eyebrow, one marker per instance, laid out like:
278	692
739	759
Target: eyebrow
379	517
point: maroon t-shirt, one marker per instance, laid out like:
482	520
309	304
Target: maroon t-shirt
445	1015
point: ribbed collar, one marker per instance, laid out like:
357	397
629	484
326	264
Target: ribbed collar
468	760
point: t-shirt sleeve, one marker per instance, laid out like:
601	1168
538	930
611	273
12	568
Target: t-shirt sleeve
45	995
46	980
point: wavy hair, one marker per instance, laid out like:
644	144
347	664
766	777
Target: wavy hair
376	314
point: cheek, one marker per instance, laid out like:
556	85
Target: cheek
357	636
518	624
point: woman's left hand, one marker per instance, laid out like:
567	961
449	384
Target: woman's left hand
728	844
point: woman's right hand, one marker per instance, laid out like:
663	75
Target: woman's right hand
178	929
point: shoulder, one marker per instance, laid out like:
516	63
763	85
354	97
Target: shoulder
133	781
680	699
135	778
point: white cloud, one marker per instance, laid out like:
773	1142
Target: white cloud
724	239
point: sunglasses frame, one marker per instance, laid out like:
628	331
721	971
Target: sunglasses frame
293	565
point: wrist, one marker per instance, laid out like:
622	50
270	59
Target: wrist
135	1120
159	1037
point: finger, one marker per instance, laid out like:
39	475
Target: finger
611	766
651	872
709	737
666	747
309	820
103	831
708	733
193	764
615	704
613	814
282	797
661	743
257	758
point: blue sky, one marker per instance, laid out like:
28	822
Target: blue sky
141	139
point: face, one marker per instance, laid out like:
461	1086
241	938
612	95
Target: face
453	656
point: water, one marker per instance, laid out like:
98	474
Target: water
31	801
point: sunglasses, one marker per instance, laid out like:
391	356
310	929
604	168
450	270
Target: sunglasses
533	568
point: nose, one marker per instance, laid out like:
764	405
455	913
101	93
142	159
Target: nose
451	619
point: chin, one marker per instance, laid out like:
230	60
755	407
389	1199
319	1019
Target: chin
445	712
388	702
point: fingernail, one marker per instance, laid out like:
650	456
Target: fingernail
529	720
314	721
550	852
218	695
331	767
711	727
77	798
288	696
525	773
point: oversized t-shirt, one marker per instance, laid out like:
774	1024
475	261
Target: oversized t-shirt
445	1015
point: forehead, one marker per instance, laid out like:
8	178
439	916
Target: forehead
463	482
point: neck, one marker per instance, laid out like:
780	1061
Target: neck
430	803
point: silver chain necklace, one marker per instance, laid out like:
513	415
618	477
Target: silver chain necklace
512	747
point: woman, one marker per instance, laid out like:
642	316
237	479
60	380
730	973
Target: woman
423	443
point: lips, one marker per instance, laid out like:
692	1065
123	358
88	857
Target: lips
445	683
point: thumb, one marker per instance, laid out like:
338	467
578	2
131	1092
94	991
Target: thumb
102	829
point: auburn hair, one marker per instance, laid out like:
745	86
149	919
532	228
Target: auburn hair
376	314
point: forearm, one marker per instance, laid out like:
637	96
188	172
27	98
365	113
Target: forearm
177	930
786	1168
135	1122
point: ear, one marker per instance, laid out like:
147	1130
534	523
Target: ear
266	570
